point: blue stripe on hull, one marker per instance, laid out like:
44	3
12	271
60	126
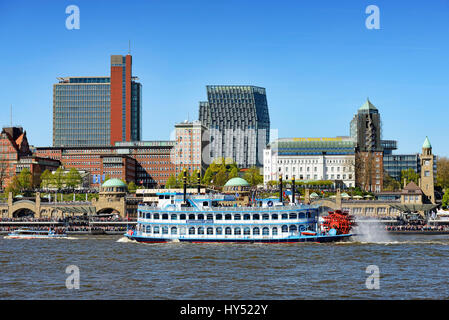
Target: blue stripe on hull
320	239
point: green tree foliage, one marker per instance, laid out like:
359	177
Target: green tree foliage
253	176
46	179
219	172
73	178
445	202
59	179
443	172
410	175
390	184
132	187
25	179
171	182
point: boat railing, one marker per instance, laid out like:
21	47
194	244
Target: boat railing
232	209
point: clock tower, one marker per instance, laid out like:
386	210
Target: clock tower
427	176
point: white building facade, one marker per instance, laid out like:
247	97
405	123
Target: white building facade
311	159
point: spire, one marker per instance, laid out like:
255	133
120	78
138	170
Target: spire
426	144
367	106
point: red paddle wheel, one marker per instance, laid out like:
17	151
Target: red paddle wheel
341	221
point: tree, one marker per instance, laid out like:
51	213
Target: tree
46	178
132	187
445	202
171	182
234	173
409	175
253	176
220	178
25	179
391	184
59	178
443	172
73	178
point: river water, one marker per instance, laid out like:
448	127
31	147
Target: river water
112	267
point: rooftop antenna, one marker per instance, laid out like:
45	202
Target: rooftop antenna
129	46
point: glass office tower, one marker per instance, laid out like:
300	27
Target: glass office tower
81	112
98	111
238	122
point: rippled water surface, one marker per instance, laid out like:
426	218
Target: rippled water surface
411	267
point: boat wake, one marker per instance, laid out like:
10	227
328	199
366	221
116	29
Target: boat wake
125	239
371	232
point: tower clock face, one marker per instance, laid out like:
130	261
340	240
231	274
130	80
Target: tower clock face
426	162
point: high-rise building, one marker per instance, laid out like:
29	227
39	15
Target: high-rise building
98	111
238	123
187	153
365	128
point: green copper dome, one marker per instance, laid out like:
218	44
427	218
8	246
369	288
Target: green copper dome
237	182
367	106
426	144
113	183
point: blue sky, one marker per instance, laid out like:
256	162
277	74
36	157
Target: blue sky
316	59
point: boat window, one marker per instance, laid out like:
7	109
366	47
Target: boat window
219	217
182	230
293	215
265	231
161	197
156	229
173	230
247	231
256	231
237	216
284	216
228	216
191	230
246	217
308	215
200	230
165	230
148	229
274	216
237	231
301	215
191	217
205	204
210	217
156	216
174	217
256	216
167	197
228	230
293	228
274	231
265	216
219	230
201	216
284	228
214	203
165	216
148	215
210	230
182	216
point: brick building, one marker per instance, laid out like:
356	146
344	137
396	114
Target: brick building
146	163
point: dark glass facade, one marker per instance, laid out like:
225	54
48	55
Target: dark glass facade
238	121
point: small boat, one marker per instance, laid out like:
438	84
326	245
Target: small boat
26	233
